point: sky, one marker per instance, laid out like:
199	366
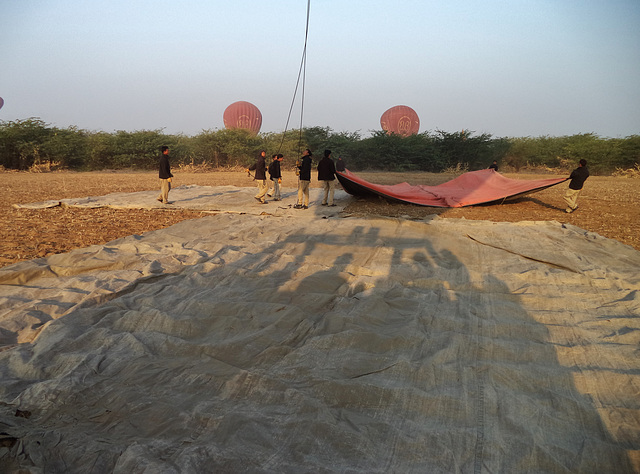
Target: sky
508	68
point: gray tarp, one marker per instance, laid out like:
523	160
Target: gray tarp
200	198
243	343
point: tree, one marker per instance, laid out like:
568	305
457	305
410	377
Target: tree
66	148
21	141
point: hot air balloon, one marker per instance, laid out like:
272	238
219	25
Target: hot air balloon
1	102
400	119
243	115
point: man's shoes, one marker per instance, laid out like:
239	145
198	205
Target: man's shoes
159	199
257	198
297	206
324	204
332	205
305	207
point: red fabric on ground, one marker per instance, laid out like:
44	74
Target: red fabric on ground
475	187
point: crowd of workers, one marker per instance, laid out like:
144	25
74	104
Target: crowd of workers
327	176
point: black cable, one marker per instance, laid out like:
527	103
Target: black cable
302	72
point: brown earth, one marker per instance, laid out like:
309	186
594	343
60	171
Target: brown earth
609	206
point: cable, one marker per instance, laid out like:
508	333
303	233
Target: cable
302	72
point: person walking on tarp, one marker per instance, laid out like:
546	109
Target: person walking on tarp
276	175
165	175
578	177
327	175
260	176
305	179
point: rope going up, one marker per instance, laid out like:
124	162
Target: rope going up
302	73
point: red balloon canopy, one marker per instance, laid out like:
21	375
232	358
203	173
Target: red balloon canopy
400	119
243	115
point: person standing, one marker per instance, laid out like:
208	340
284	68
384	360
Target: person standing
578	177
340	165
494	166
165	175
327	175
269	185
305	179
276	175
260	176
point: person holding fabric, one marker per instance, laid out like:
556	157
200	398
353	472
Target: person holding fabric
327	175
578	177
276	175
260	176
164	174
340	165
305	179
494	166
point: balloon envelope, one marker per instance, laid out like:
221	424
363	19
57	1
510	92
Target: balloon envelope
243	115
400	119
1	102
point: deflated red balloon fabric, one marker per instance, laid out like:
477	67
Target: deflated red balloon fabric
475	187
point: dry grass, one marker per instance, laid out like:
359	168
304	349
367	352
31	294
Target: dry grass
609	206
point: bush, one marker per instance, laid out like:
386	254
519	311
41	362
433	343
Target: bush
33	144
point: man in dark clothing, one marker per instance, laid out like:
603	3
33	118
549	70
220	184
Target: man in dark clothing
305	179
578	177
165	175
494	166
327	175
276	175
340	165
260	176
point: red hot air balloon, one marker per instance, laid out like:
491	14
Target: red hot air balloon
400	119
243	115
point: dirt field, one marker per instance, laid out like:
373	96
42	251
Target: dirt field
608	206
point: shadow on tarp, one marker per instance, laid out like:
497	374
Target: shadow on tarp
392	359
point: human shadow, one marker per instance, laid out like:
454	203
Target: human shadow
382	347
396	359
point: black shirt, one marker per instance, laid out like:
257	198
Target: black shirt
274	170
165	169
305	168
326	169
578	177
260	167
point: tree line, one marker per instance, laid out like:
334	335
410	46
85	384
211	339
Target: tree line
32	143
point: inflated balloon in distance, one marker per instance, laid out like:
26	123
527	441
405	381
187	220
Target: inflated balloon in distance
400	119
242	115
1	102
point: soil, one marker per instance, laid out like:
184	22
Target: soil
608	206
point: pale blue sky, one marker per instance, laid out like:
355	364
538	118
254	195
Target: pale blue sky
508	68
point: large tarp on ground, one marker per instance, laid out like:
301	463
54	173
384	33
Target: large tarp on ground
313	343
468	189
202	198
